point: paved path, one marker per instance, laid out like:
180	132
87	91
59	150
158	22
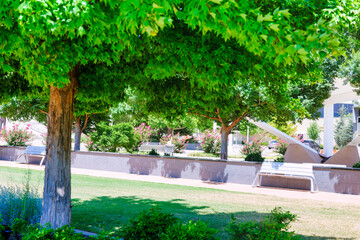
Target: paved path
285	193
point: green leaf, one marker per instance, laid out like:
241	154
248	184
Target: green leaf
275	27
243	15
264	37
285	13
160	22
268	18
302	51
156	6
216	1
304	59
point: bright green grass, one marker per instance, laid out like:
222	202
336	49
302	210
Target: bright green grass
107	204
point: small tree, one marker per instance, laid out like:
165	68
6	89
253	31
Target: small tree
313	131
343	129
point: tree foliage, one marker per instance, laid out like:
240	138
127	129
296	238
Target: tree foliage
313	131
343	133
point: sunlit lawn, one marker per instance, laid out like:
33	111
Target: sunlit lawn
107	204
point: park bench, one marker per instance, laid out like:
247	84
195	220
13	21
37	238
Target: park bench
287	170
34	151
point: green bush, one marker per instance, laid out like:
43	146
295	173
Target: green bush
273	227
356	165
36	232
252	151
19	203
148	225
153	152
279	159
110	138
211	142
197	230
18	227
254	157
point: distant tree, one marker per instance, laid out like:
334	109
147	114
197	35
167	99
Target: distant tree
313	131
343	133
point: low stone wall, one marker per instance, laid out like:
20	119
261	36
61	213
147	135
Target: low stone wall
329	179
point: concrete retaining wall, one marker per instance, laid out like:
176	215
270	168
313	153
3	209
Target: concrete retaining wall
329	179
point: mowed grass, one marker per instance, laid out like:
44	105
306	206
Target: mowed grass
107	204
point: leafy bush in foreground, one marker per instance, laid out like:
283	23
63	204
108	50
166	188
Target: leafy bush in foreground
148	225
356	165
273	227
19	203
193	230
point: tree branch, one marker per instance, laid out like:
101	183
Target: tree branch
43	111
85	123
202	115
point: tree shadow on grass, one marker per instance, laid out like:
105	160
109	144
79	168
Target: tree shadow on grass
111	214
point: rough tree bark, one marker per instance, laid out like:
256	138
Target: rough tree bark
57	188
225	131
79	130
77	135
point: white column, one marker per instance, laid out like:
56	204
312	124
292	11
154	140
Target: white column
328	139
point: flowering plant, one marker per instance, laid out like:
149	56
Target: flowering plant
179	141
280	147
44	136
165	139
17	136
252	151
144	133
211	142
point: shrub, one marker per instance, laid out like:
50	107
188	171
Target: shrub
19	203
16	136
153	152
343	133
279	159
252	151
144	133
313	131
46	233
211	142
275	227
281	147
110	138
148	225
178	141
193	230
254	157
356	165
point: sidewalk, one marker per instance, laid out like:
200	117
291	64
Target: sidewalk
284	193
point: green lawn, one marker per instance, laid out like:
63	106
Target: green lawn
106	204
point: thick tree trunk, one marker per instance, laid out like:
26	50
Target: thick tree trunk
170	130
57	189
77	135
225	130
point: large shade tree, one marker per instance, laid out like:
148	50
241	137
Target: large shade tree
52	40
